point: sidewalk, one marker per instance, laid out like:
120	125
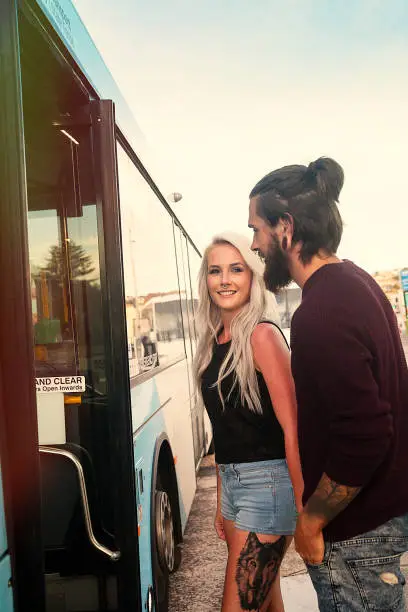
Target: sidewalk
197	585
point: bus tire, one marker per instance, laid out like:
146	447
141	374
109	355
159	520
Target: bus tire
161	573
164	526
169	551
164	503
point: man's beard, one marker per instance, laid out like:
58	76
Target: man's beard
276	275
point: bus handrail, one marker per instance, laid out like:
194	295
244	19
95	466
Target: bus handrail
113	555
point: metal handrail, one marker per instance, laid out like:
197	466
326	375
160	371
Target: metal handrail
113	555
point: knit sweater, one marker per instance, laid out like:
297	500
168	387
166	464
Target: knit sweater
351	382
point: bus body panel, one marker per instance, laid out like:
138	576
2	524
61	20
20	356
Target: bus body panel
165	398
3	536
167	395
6	593
144	450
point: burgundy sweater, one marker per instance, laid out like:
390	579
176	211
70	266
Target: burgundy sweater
351	382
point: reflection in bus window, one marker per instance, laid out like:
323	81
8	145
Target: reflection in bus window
52	323
61	270
153	315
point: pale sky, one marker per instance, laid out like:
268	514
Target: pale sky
227	90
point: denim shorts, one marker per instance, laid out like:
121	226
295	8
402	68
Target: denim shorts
258	496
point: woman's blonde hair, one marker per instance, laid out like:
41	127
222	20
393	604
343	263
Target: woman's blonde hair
260	307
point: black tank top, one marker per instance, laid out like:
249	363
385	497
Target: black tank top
240	435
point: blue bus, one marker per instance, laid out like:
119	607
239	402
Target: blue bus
100	431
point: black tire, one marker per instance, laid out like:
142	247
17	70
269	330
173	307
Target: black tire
164	525
167	557
177	558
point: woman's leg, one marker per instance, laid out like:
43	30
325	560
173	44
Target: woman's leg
276	602
252	570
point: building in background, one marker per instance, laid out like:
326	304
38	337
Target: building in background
288	300
390	282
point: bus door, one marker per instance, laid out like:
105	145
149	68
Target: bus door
88	507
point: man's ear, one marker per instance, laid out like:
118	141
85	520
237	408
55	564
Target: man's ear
288	224
287	234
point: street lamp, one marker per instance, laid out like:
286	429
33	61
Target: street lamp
175	197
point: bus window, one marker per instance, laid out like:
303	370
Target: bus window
52	324
63	248
63	241
154	322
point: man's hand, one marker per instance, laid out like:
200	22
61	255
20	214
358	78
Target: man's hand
309	541
329	499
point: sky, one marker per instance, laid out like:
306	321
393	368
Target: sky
228	90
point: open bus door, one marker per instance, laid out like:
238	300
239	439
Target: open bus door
73	543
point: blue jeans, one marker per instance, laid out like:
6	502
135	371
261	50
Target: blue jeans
363	573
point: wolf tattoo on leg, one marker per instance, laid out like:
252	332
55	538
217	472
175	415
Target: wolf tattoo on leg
257	567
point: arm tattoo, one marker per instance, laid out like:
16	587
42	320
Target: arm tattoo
257	567
330	498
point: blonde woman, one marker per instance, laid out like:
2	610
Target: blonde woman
242	370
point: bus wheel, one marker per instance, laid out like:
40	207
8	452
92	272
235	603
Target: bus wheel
166	555
165	539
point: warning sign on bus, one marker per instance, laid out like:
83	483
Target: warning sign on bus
60	384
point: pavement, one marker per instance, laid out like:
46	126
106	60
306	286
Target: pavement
197	585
